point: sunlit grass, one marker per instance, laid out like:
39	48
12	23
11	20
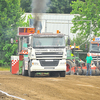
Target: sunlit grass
4	68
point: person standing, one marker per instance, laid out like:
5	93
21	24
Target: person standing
89	63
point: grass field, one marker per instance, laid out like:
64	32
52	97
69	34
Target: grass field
4	68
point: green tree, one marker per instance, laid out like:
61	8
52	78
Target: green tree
60	6
88	10
11	49
26	5
55	6
10	13
10	18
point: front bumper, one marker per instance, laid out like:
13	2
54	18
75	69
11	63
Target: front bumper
37	66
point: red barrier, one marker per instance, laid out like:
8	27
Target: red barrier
15	67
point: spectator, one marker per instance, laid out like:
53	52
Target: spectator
89	63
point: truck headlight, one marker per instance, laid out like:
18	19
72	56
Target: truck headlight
35	63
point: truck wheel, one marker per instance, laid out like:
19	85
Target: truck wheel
31	74
62	74
93	71
24	72
79	72
84	71
97	72
69	65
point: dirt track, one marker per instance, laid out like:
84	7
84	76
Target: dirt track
50	88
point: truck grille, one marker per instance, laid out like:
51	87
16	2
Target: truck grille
95	59
49	62
49	55
95	62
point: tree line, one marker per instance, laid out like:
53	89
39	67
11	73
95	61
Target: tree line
12	10
54	6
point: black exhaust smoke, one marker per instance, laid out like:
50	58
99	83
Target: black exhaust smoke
39	7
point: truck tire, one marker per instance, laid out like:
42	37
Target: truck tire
62	74
24	72
79	72
84	71
69	65
97	72
93	71
31	74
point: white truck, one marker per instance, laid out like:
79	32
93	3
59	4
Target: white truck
95	51
46	53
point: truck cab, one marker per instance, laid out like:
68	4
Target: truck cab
94	50
47	53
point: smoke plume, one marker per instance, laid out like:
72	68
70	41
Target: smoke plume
39	6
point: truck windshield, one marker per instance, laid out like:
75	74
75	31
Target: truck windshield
94	47
48	41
